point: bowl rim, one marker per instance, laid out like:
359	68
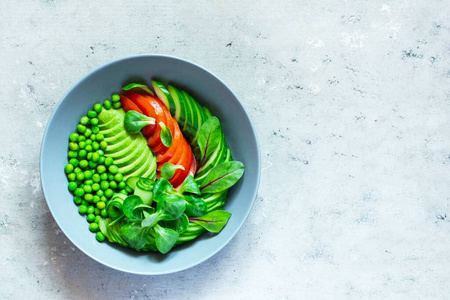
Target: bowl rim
258	164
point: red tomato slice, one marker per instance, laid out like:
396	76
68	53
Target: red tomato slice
127	104
146	109
185	161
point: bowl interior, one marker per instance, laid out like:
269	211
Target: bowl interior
209	91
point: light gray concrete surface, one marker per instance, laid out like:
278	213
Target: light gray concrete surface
351	103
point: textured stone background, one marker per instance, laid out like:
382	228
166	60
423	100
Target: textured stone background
351	103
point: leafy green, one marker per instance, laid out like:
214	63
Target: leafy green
165	238
209	138
213	221
135	121
150	220
171	208
138	86
162	189
166	135
195	206
179	225
189	186
222	177
168	170
134	234
130	207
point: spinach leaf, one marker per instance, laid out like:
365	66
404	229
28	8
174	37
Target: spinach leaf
130	207
165	238
213	221
171	208
134	234
150	220
195	206
168	169
222	177
189	186
135	121
162	189
209	137
145	209
179	225
138	86
166	135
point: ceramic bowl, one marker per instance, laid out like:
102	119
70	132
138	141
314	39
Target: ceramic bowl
100	84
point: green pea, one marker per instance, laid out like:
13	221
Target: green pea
101	160
113	169
84	120
89	197
74	162
95	157
72	154
91	114
100	137
88	174
73	146
89	142
104	213
88	132
98	108
77	170
82	153
121	184
68	168
96	199
97	211
82	209
81	138
104	176
88	148
101	169
85	203
93	227
97	219
77	200
90	218
82	145
95	146
101	152
89	156
117	105
128	189
109	161
81	128
94	121
118	177
109	193
95	187
83	163
92	137
87	181
92	164
110	177
95	130
100	193
72	176
101	205
107	104
73	137
72	186
90	209
96	178
115	98
87	189
104	185
103	145
100	236
113	185
80	176
124	191
103	198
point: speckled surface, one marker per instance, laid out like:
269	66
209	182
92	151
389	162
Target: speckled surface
351	103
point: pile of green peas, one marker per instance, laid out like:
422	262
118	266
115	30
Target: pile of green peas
93	177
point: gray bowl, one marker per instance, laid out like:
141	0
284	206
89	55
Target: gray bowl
209	91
